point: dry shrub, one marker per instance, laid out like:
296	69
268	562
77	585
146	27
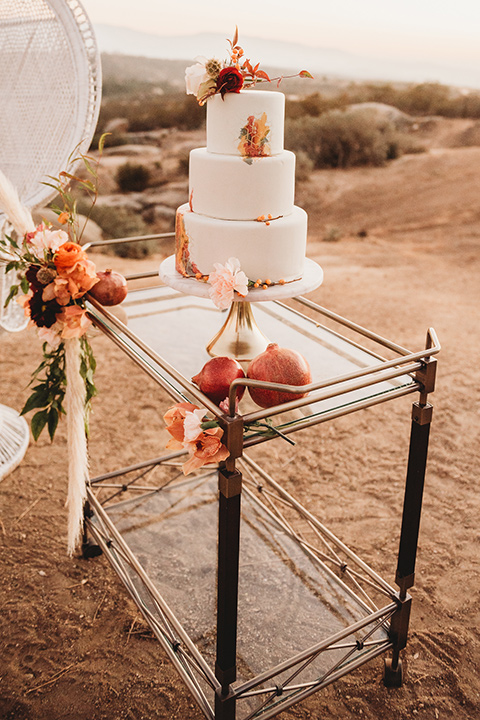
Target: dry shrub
303	166
151	112
120	222
342	139
132	177
421	99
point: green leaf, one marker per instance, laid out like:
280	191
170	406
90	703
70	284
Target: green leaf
39	421
209	424
88	185
305	74
206	88
38	399
55	187
24	284
101	142
52	422
12	241
88	166
68	175
11	294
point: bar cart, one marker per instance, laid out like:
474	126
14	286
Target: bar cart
254	600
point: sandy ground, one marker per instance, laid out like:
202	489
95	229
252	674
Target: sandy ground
73	645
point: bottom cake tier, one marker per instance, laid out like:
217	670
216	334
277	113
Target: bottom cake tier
270	249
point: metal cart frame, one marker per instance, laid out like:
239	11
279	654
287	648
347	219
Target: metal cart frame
383	627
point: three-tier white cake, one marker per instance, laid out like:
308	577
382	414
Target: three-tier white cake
242	194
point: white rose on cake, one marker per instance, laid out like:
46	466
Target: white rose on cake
195	75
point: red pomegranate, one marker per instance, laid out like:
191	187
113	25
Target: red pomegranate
111	288
215	377
279	365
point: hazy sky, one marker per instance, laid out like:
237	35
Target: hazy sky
439	30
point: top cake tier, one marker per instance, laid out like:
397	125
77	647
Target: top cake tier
249	123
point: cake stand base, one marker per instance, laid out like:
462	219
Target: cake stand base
240	337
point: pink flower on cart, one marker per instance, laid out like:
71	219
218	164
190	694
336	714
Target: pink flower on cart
191	429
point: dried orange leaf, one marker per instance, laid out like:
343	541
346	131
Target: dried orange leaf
263	75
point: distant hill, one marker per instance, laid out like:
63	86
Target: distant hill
125	73
292	56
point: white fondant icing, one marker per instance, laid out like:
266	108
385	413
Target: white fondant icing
275	251
230	188
226	117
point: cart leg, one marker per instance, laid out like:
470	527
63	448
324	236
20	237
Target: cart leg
230	487
407	552
412	504
393	670
89	548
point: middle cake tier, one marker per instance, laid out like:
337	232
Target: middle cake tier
230	187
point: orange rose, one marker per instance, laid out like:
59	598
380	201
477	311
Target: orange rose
67	255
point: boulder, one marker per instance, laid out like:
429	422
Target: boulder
382	111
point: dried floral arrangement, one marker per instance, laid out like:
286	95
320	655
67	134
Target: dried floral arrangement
54	275
211	76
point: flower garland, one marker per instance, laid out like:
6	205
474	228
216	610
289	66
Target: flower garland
211	76
54	276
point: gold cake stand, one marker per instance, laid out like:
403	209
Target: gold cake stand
240	337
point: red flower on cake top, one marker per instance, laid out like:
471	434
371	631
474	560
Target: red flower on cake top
211	76
229	80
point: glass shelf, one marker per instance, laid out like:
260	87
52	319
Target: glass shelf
165	324
288	600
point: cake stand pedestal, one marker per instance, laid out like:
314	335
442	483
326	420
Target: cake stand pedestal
240	337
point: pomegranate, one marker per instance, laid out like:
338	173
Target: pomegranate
279	365
215	377
111	288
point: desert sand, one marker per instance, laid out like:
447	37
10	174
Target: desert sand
400	247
